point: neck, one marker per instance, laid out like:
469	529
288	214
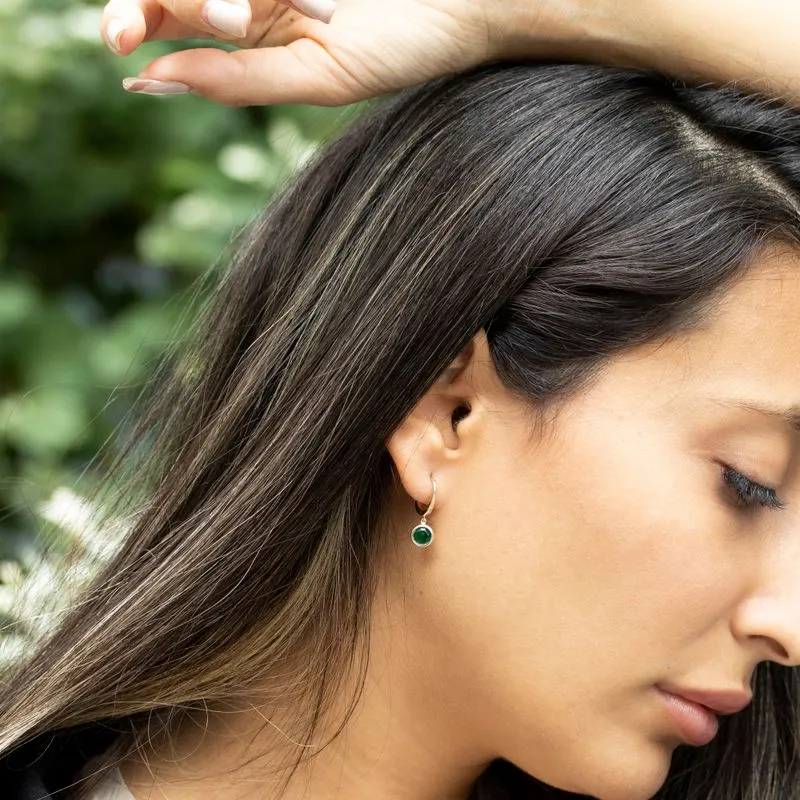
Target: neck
410	737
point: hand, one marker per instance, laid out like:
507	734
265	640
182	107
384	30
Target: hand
368	47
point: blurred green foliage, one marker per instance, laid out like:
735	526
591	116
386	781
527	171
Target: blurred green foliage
111	206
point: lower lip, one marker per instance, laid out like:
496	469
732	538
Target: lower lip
697	724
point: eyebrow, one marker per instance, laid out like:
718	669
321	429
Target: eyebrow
789	415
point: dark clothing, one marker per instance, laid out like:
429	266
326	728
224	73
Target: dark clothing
46	767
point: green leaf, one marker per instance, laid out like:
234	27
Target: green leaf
48	421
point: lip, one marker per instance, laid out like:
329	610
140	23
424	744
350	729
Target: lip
696	724
720	701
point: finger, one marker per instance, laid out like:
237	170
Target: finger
300	72
227	20
316	9
125	24
224	19
231	18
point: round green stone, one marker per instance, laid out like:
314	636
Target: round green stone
422	535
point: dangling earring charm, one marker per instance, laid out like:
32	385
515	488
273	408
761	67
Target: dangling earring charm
422	534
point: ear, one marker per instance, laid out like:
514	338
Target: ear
432	435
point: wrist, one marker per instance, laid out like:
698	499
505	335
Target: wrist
607	31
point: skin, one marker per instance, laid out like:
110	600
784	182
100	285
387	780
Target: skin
572	570
289	57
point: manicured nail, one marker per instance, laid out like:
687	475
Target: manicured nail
149	86
227	17
318	9
114	31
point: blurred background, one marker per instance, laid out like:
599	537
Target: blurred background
111	208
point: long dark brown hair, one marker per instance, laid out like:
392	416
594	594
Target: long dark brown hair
569	210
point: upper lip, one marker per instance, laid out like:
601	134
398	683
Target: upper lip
721	701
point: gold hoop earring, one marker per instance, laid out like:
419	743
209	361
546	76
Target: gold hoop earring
422	534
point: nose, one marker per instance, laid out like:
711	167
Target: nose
769	621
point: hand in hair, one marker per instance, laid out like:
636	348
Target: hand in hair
364	48
334	52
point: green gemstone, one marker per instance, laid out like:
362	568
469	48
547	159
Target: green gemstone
422	535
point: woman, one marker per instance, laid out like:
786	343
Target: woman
486	457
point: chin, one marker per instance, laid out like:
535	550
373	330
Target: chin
639	776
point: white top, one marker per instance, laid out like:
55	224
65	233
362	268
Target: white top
112	787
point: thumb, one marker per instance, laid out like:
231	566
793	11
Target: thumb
300	72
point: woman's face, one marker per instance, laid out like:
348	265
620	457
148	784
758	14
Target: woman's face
574	571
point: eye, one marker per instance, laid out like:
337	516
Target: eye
748	493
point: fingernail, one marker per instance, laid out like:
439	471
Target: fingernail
114	31
318	9
149	86
226	17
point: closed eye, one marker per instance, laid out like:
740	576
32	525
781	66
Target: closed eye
749	493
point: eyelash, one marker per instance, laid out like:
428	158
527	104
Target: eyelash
749	493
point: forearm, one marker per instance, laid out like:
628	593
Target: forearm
753	43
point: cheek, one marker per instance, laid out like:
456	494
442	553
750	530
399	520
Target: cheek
580	566
640	559
567	581
581	550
